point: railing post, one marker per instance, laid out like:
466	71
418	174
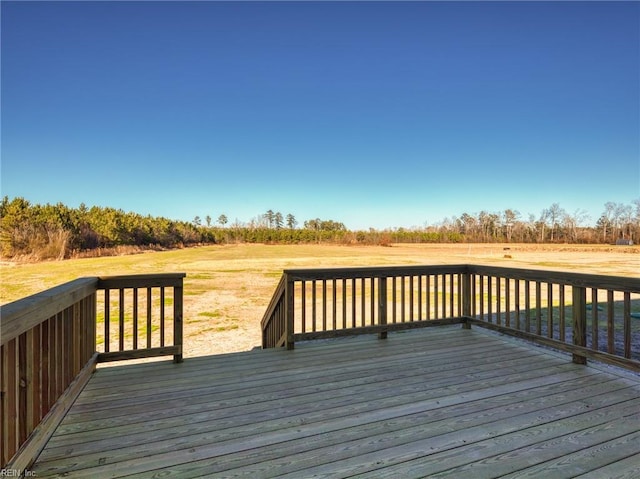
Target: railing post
466	299
178	292
579	307
382	305
289	311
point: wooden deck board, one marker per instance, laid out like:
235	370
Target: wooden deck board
438	402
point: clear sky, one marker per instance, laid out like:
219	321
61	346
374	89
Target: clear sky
375	114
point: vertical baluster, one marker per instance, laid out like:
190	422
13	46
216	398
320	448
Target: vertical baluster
178	303
162	301
611	344
481	297
517	303
54	362
334	304
498	300
562	323
353	302
451	296
627	324
363	302
149	309
403	298
474	298
550	310
107	320
464	281
22	388
121	320
303	299
94	313
507	302
288	312
594	319
344	303
527	306
45	345
10	391
3	410
428	295
490	298
60	355
444	296
579	313
313	306
419	298
382	305
76	312
538	308
135	318
411	317
33	373
68	342
435	297
324	304
372	290
394	299
455	287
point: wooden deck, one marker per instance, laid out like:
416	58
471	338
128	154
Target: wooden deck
439	402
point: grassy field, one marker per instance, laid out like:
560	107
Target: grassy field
227	288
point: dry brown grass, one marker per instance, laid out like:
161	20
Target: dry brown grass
227	288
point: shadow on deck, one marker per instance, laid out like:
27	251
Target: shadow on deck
436	402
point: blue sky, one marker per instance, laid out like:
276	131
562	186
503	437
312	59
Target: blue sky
375	114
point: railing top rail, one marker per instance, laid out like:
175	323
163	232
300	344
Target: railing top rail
599	281
141	280
372	271
23	314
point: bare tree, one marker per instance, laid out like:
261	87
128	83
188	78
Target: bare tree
509	219
488	222
572	222
555	215
607	218
468	225
636	221
624	218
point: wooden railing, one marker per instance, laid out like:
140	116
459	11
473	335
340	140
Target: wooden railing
322	303
134	317
273	323
50	343
589	316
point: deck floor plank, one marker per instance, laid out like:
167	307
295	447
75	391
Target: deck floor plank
627	468
595	457
442	401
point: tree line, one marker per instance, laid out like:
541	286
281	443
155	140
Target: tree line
618	222
58	231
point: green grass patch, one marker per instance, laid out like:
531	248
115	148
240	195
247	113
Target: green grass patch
272	274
